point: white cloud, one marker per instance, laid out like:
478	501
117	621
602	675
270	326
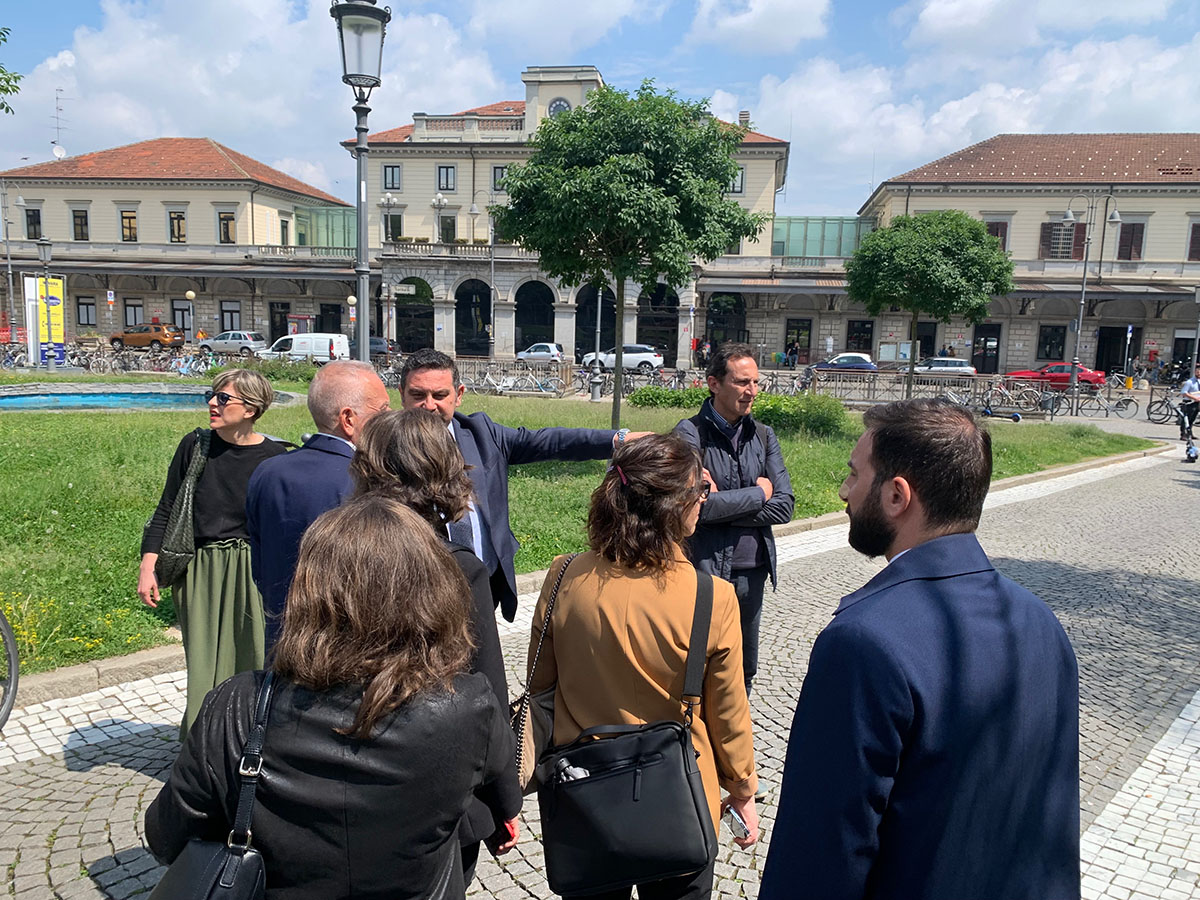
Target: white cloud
307	171
758	26
268	86
551	28
724	105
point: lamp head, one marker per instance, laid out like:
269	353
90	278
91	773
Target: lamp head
1114	217
190	296
45	249
1068	217
351	300
474	210
361	27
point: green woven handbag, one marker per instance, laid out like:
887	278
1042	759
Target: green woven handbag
179	540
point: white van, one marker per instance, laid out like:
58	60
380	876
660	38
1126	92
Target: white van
317	346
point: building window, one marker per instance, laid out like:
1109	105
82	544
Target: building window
79	221
1062	240
1052	339
1131	241
392	180
445	178
33	224
734	249
998	230
133	313
738	185
177	226
231	315
860	335
285	235
498	173
393	226
129	226
225	229
85	311
448	229
1193	252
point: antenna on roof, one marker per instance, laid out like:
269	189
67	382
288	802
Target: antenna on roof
59	152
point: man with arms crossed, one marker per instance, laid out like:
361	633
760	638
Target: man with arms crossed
934	753
429	380
283	499
751	490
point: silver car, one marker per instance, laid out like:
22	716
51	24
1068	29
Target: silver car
633	356
543	351
246	343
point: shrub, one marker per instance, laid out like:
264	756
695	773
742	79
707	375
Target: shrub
816	414
656	396
273	369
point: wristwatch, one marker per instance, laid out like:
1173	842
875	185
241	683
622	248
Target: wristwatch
621	435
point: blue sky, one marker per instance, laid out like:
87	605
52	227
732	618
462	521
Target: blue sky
863	90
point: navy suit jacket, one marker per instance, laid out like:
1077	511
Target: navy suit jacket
934	753
490	449
282	500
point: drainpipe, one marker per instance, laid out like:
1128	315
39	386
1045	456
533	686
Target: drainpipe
1103	229
253	190
907	197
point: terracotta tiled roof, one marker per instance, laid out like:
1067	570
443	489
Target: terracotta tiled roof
185	159
1068	158
403	134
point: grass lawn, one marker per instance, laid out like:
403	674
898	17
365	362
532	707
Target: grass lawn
76	488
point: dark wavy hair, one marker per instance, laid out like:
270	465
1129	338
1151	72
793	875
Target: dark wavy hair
409	455
637	512
377	601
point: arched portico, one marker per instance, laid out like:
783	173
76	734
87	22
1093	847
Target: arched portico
585	320
658	321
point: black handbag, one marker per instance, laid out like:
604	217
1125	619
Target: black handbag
231	869
532	715
624	804
179	539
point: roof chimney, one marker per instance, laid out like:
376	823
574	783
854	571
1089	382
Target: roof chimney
744	118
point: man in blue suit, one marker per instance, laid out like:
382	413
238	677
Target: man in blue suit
934	752
429	380
284	498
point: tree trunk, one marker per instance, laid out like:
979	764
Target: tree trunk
619	361
912	357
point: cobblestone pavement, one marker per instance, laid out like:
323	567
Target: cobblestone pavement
1105	547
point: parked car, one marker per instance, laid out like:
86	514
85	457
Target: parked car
543	352
318	346
642	357
943	365
379	346
1058	376
246	343
155	335
847	362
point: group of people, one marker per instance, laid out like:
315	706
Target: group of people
934	750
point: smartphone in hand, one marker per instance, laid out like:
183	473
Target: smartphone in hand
737	824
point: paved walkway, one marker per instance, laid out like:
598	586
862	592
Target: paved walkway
1101	546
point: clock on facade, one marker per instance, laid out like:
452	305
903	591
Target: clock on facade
558	105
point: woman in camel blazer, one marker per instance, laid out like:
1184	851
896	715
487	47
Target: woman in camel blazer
620	628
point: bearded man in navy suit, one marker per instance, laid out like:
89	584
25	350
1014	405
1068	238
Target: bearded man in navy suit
934	752
283	499
429	380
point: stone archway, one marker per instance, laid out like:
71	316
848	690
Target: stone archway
472	316
534	314
658	321
414	316
585	321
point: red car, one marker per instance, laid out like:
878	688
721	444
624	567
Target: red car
1058	375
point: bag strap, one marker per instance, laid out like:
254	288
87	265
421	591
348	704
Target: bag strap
199	454
693	679
537	654
250	766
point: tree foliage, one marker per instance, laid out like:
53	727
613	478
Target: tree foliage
10	82
940	264
627	187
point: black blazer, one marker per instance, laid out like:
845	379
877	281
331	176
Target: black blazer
935	749
285	495
491	448
337	817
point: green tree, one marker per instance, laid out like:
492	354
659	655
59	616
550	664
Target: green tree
10	82
627	187
941	264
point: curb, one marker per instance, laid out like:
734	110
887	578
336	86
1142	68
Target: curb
72	681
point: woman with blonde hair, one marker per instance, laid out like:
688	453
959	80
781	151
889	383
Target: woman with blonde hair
377	736
618	635
217	604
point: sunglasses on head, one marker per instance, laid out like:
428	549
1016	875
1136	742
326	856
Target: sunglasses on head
222	397
704	490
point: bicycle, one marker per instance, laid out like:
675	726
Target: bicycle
14	357
9	670
531	382
1165	409
1095	404
1021	397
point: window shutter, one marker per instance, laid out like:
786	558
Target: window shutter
1137	239
1044	241
999	230
1077	246
1194	243
1125	242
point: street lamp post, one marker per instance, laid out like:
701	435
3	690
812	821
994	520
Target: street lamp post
438	203
474	213
1068	218
12	308
190	297
45	251
388	203
361	26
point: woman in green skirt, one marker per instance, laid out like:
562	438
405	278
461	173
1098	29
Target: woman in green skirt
218	607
